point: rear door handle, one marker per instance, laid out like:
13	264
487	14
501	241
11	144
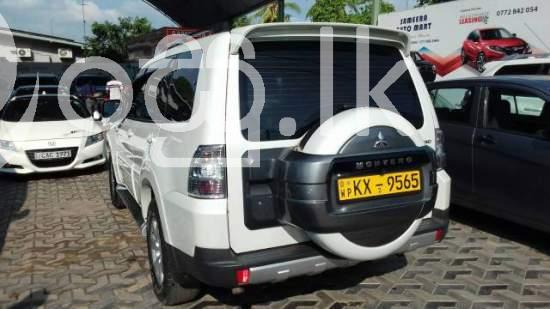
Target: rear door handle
130	133
486	140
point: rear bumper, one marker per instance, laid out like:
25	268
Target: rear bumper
218	267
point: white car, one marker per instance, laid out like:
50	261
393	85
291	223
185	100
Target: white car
46	141
519	65
238	200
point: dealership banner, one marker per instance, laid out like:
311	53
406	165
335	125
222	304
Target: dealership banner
465	34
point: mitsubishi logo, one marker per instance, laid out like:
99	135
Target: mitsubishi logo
381	143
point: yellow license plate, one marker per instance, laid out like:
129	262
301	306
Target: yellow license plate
373	186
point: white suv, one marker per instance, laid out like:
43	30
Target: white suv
228	205
57	135
519	65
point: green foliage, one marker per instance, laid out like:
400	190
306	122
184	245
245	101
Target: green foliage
110	40
270	12
346	11
241	22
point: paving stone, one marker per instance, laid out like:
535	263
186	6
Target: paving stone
63	246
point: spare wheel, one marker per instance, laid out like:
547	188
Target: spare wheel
340	184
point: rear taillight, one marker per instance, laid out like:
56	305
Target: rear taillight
440	149
207	175
439	234
242	276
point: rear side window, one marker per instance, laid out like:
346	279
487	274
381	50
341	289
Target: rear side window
177	90
517	111
453	104
182	87
291	75
175	93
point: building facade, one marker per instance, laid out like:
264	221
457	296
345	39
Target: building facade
34	47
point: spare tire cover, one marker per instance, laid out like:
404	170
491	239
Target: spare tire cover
329	139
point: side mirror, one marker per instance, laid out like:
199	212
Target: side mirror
114	89
96	115
514	35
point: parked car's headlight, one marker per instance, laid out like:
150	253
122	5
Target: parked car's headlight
94	139
7	145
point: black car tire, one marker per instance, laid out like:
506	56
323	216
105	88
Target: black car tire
171	289
480	62
115	198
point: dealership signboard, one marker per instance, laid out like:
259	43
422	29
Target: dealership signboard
459	37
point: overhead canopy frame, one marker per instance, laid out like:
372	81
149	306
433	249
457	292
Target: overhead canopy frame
205	13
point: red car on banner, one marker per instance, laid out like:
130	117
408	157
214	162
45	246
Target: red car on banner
485	45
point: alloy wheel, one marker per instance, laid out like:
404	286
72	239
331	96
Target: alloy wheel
155	251
481	62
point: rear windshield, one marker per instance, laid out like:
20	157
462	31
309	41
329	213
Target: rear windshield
47	109
291	75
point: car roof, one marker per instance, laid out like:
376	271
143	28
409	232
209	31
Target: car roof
284	31
540	82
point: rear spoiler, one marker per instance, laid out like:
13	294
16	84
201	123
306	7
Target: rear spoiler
287	31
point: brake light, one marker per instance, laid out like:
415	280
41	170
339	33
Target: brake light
439	234
242	276
441	156
207	175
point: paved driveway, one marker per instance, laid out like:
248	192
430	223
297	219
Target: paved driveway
63	246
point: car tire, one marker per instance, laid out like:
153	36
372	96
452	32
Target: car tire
463	57
481	60
171	289
115	198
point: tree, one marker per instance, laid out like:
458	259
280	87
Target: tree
346	11
110	40
270	12
241	21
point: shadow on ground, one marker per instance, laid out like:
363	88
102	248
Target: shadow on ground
36	299
59	175
502	228
14	191
12	197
